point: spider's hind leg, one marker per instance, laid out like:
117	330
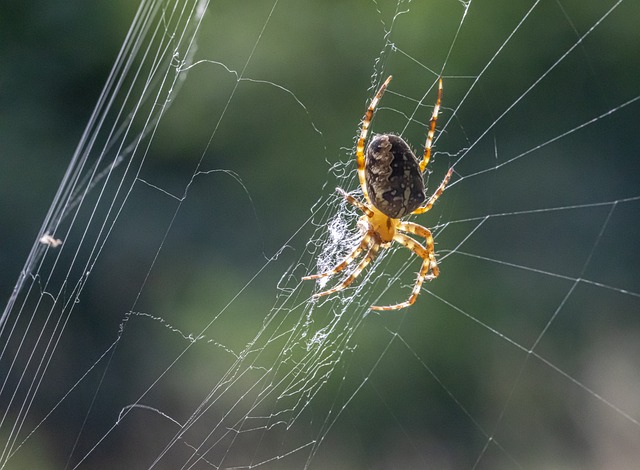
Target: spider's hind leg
370	256
347	261
429	269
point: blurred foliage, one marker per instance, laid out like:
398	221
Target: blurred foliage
57	54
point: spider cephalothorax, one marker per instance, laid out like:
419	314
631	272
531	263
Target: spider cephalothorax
391	180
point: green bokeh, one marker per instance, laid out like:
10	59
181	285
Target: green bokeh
56	56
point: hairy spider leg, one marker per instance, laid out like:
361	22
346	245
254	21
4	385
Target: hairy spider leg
379	229
364	243
436	195
360	160
432	130
428	264
370	256
419	230
354	202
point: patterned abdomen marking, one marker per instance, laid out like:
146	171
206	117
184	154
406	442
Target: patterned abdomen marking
393	176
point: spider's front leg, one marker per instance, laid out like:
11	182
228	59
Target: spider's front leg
432	130
360	157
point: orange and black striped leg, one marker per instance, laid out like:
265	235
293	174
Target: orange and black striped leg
347	261
429	269
436	195
423	232
360	159
432	130
370	256
354	202
427	265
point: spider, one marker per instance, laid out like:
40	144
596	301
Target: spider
391	180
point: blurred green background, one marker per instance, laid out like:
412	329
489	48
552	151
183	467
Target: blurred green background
55	58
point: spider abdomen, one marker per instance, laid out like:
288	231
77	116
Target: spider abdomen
393	176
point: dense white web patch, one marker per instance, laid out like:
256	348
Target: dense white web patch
272	381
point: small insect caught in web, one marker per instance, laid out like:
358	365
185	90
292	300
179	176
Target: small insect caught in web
390	176
48	240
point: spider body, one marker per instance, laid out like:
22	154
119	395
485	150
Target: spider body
391	180
393	176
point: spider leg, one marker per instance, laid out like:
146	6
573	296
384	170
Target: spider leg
354	202
363	136
370	256
419	230
436	195
432	129
428	264
347	261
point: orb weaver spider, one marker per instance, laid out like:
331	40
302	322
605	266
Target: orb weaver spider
391	180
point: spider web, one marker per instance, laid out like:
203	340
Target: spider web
170	328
